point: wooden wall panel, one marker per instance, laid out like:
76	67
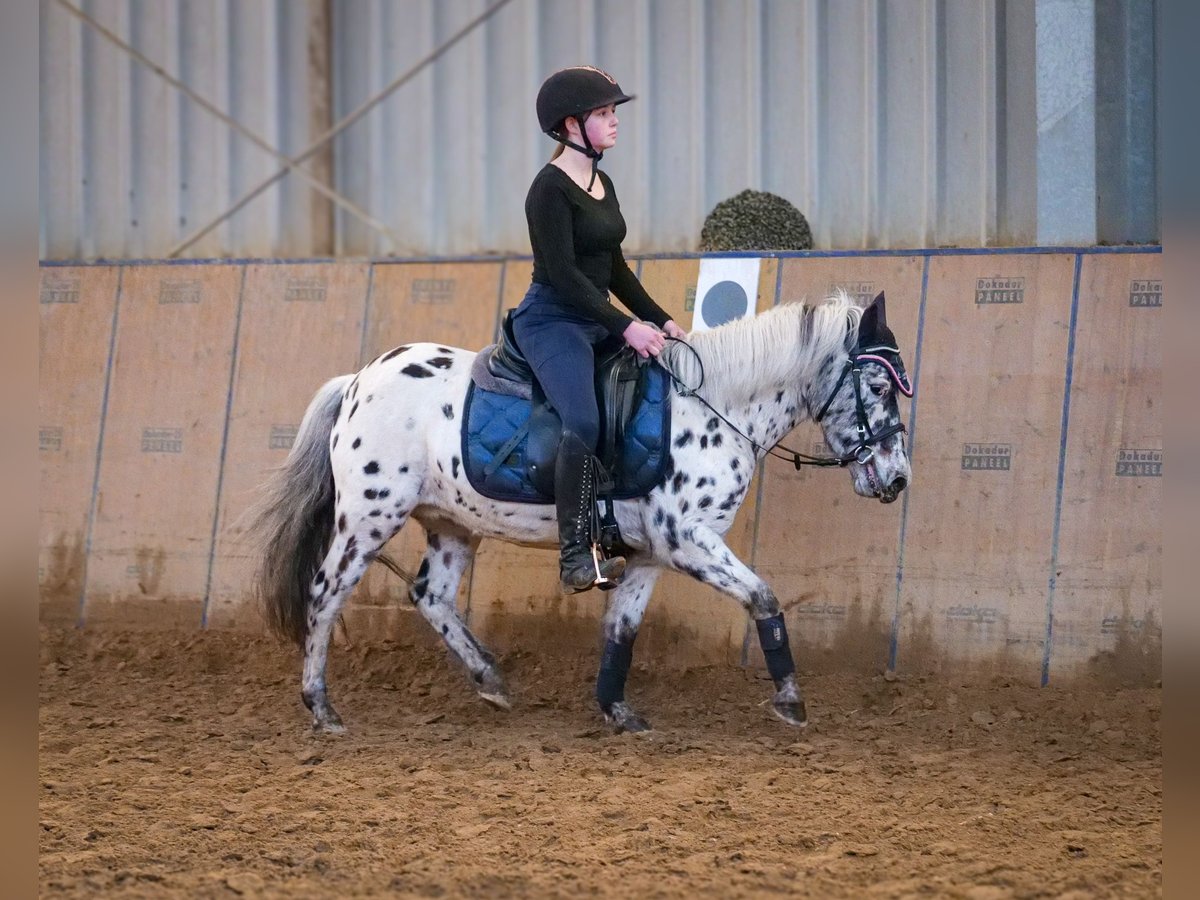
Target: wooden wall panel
831	555
979	519
301	325
985	459
76	312
152	535
1108	597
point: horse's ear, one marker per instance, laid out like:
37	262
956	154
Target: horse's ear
873	318
881	304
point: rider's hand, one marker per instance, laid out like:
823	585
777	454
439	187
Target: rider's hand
673	330
645	339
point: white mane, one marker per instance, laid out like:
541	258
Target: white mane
775	347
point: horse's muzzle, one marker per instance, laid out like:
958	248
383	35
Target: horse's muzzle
892	491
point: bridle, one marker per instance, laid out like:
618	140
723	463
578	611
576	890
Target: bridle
868	440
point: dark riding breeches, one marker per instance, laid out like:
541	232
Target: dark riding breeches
560	345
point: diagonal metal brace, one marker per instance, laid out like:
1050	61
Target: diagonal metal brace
342	125
290	164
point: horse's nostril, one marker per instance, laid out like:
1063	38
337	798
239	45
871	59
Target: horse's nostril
899	483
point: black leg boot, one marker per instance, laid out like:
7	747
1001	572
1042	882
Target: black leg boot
582	565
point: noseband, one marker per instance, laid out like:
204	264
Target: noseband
867	439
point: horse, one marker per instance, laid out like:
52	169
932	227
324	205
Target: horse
381	447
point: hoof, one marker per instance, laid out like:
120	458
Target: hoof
793	714
329	726
624	719
496	700
491	688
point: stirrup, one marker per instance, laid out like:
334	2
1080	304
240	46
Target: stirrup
605	584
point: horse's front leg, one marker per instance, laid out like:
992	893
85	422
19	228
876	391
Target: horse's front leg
700	552
626	606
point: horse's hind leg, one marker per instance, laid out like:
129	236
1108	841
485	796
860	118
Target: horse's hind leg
626	606
349	555
434	593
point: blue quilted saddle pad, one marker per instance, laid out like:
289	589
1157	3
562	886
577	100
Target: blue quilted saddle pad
491	419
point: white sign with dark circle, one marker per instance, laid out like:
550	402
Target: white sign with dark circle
726	289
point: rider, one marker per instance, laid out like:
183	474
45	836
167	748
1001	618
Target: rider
576	229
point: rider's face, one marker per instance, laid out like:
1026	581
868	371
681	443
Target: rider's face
601	125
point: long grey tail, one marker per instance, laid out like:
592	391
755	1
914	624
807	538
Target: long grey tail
292	522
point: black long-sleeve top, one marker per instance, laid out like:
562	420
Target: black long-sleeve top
577	249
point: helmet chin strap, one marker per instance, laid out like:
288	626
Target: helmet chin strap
587	149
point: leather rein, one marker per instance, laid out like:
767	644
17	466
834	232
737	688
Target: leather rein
867	439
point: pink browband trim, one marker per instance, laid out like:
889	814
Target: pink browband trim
901	381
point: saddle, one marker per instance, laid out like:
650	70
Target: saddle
510	433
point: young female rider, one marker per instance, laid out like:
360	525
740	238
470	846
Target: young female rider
576	229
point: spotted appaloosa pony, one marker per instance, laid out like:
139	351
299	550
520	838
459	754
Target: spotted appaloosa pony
381	447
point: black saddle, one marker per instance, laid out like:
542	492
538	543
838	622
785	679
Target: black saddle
619	372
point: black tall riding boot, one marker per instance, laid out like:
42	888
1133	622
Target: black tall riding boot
582	565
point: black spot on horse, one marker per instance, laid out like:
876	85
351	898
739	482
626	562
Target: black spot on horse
703	441
403	470
423	571
717	441
333	446
445	630
701	482
384	493
376	534
455	462
435	542
672	533
705	502
342	522
370	493
729	502
684	439
440	362
353	410
343	563
357	443
439	464
444	350
375	513
680	479
320	576
415	371
448	411
712	424
392	353
371	468
779	397
446	557
659	516
735	464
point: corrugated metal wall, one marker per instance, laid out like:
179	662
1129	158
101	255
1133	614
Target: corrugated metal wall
889	123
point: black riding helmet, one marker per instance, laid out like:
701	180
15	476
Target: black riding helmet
576	92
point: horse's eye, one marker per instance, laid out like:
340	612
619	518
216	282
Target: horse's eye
878	389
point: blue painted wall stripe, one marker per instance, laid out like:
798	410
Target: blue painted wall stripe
894	642
733	254
108	371
1052	586
362	339
233	362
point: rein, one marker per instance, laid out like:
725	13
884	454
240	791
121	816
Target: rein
861	454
